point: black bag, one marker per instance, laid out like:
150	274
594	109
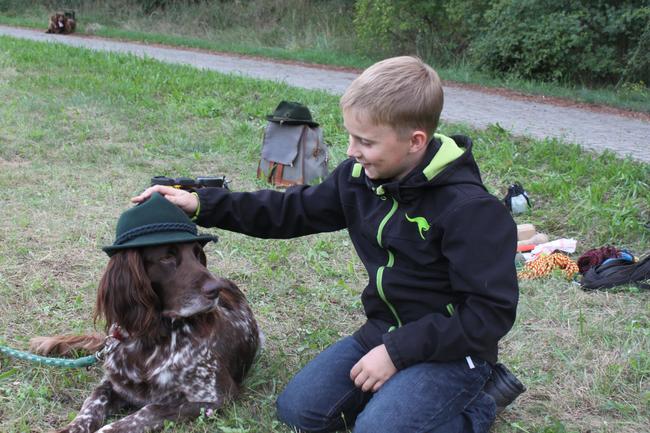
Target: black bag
517	199
617	272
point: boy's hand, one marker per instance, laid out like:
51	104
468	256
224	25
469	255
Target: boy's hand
373	370
187	201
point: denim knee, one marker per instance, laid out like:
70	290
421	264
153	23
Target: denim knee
291	411
316	398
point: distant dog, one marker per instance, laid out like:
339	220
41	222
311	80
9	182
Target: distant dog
180	340
62	22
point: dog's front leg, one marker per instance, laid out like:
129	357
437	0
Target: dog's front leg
101	402
152	416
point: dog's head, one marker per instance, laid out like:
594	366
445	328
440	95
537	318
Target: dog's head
58	19
179	276
143	286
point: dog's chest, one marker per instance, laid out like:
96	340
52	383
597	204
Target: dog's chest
180	367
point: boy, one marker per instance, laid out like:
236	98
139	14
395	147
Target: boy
439	251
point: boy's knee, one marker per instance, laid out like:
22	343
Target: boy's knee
292	411
367	426
370	421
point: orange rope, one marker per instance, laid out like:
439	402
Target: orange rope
544	264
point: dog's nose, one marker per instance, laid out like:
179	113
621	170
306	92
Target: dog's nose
211	288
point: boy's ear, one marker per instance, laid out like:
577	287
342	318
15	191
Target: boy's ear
419	140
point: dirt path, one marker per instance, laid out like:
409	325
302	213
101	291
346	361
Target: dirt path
595	130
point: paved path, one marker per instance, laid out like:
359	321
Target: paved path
592	130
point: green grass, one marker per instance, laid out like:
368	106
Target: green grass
312	32
81	132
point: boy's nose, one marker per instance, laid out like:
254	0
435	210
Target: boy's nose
352	151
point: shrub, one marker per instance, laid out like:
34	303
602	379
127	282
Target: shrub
438	31
575	40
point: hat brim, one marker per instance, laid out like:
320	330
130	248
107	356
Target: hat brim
289	121
155	239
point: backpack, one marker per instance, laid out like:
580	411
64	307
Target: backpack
293	150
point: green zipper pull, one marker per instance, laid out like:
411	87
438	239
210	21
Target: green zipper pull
450	309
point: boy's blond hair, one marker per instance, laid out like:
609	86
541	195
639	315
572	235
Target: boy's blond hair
401	92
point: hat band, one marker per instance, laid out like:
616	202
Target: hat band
155	228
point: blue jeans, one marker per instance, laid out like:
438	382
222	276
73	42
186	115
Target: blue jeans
440	397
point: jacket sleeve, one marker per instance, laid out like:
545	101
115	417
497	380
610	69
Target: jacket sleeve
479	241
298	211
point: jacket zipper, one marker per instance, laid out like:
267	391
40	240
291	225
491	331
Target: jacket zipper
391	261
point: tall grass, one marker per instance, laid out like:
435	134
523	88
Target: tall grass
81	132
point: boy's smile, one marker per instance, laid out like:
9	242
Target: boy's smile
383	153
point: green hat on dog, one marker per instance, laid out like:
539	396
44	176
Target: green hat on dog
156	221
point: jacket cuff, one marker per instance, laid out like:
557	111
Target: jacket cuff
393	350
209	199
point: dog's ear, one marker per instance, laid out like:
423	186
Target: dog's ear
51	28
125	295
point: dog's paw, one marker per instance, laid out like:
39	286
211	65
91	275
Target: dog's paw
119	428
71	429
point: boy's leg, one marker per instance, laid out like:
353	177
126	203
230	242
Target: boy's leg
477	417
431	397
322	397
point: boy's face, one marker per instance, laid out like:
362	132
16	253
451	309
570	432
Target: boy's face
382	152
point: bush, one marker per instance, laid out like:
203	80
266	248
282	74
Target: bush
438	31
149	6
575	41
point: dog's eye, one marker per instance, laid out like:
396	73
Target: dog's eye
170	254
167	258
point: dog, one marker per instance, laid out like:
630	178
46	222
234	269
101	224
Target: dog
179	340
62	23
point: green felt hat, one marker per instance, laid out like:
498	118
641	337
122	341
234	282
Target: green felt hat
292	113
156	221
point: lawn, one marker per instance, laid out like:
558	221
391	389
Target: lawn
81	132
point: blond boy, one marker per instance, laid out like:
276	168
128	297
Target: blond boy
438	249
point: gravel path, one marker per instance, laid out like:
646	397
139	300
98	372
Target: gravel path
593	130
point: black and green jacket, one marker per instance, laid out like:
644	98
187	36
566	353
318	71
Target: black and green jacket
438	248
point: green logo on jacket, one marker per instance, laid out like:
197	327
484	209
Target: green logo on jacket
422	223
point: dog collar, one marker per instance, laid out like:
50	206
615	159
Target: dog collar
117	332
115	336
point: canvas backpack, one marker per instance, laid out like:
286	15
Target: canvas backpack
293	149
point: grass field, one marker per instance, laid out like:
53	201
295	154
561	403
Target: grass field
312	32
82	132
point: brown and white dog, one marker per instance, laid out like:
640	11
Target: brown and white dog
62	22
180	340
